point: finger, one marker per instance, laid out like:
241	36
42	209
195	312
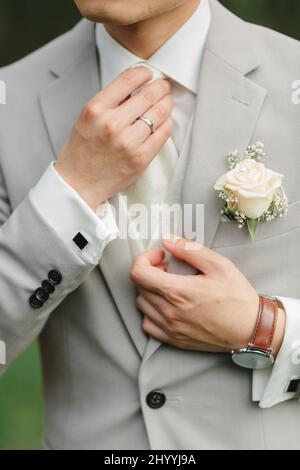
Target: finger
155	142
155	331
156	301
138	104
150	258
163	267
147	309
155	280
193	253
158	114
120	88
144	273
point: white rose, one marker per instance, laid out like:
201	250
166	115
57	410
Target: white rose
254	186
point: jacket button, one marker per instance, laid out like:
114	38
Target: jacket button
55	277
48	286
156	399
41	294
35	302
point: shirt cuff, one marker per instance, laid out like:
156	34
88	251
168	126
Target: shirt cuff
281	382
71	217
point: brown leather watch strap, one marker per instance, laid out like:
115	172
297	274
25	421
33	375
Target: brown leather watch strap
265	325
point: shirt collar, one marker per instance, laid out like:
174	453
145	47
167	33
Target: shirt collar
179	58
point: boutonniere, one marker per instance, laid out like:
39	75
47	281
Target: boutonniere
251	192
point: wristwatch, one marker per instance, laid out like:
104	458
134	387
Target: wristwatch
258	354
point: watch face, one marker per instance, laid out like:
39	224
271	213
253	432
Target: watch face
254	359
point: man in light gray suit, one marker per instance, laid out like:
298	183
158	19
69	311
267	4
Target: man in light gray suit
143	361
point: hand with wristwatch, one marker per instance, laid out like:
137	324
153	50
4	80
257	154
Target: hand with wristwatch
258	354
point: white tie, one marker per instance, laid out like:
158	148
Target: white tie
150	189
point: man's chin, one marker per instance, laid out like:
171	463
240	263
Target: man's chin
113	16
109	19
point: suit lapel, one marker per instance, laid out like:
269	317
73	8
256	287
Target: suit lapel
115	264
227	110
76	81
228	107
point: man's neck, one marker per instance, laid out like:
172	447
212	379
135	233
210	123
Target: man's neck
146	37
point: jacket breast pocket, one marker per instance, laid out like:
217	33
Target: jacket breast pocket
272	262
229	234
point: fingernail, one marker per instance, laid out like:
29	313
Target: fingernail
171	239
193	246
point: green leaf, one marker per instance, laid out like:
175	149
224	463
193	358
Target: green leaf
252	225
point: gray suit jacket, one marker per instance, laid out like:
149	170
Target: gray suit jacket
98	364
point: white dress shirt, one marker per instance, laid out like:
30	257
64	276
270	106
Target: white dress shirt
178	59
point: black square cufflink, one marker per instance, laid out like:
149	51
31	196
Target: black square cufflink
293	385
80	241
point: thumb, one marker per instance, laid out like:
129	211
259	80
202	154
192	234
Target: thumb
153	257
193	253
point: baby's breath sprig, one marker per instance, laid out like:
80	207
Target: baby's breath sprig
233	159
229	197
230	210
256	152
278	207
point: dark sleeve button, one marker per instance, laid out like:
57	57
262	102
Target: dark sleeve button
156	399
48	286
35	302
41	294
55	277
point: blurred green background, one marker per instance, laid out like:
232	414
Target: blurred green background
26	25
